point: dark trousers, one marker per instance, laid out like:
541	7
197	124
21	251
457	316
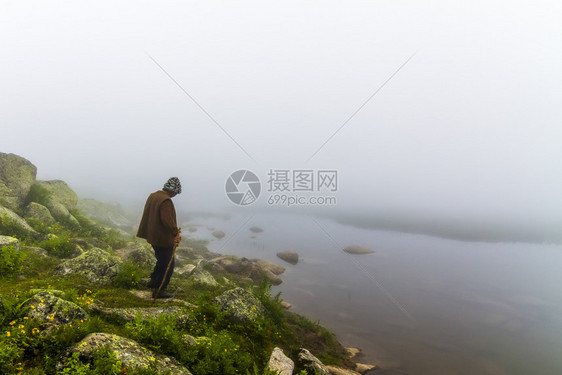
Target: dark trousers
163	256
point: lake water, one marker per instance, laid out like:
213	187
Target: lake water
420	304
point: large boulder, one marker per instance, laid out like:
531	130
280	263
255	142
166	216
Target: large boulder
97	265
16	177
39	212
60	192
124	315
203	277
131	354
255	269
137	253
358	249
6	241
280	363
311	364
48	308
240	305
335	370
12	224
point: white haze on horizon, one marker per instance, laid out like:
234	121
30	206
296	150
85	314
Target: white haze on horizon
470	126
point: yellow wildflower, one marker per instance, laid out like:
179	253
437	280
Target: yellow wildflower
8	333
23	332
12	322
20	326
52	316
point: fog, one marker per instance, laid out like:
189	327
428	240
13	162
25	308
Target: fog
428	109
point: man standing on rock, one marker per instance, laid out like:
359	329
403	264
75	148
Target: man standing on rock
159	227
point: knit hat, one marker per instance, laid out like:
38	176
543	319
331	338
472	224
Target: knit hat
173	185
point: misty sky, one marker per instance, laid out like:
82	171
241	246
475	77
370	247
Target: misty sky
471	124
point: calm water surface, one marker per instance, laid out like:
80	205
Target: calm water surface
420	304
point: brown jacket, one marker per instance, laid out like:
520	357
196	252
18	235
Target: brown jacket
158	224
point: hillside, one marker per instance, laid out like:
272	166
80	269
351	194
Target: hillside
73	297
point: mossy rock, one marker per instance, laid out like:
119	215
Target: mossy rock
95	264
138	254
48	308
240	305
203	277
61	193
17	174
131	354
13	224
6	241
109	213
39	212
61	213
125	315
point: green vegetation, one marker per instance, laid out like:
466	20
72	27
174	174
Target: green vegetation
38	194
208	343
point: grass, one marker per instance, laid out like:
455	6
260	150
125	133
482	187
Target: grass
227	348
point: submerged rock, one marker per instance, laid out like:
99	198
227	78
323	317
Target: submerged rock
256	229
97	265
240	305
218	234
334	370
6	241
129	352
291	257
280	363
358	249
312	364
48	308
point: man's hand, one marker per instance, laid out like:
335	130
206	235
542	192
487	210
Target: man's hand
177	240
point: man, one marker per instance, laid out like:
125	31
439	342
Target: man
159	227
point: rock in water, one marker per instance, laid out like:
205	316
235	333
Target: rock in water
129	352
240	305
16	177
256	229
218	234
280	363
289	257
358	249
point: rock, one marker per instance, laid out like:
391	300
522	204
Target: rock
137	253
334	370
240	305
12	224
129	352
61	213
36	251
218	234
203	277
286	305
363	368
124	315
48	308
280	363
185	270
192	229
192	340
312	364
269	266
256	229
60	193
358	249
39	212
16	177
97	265
251	269
6	241
109	213
352	352
289	257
